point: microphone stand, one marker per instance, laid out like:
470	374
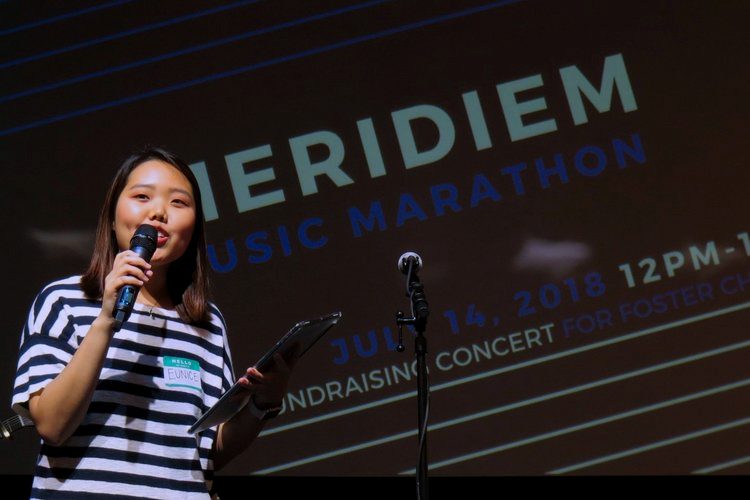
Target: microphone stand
420	312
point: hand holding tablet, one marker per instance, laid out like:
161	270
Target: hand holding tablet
293	345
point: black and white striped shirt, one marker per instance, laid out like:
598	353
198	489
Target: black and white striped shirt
160	374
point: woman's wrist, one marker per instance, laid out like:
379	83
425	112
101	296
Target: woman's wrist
104	322
263	404
261	411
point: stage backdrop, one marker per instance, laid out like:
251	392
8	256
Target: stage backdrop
573	174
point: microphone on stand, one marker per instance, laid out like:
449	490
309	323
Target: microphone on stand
142	243
409	259
409	264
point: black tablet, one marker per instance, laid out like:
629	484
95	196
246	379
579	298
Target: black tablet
304	334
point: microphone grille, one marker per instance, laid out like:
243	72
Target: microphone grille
404	259
145	236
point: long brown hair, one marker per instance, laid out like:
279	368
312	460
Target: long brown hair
187	277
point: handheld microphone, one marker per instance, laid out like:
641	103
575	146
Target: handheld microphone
142	243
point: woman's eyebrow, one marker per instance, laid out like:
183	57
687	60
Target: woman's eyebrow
171	190
139	186
180	190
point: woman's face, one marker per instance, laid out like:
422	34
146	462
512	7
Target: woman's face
157	194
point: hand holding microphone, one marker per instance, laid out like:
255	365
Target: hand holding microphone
129	272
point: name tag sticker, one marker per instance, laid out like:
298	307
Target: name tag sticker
182	372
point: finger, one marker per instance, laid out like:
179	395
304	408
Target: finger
132	258
254	374
127	280
136	261
134	271
248	385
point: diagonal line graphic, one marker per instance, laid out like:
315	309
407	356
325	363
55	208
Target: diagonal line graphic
589	425
530	401
252	67
61	17
185	51
510	368
123	34
653	446
510	407
724	465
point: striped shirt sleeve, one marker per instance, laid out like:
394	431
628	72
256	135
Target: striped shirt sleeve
229	375
46	345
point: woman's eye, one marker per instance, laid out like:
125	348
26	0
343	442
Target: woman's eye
180	202
141	196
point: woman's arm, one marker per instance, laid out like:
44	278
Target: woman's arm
267	391
234	436
59	408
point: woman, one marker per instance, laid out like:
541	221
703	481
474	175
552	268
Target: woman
113	408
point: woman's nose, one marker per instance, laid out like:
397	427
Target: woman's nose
158	213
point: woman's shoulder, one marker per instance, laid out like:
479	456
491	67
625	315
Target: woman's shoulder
59	297
69	287
72	282
215	317
212	321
